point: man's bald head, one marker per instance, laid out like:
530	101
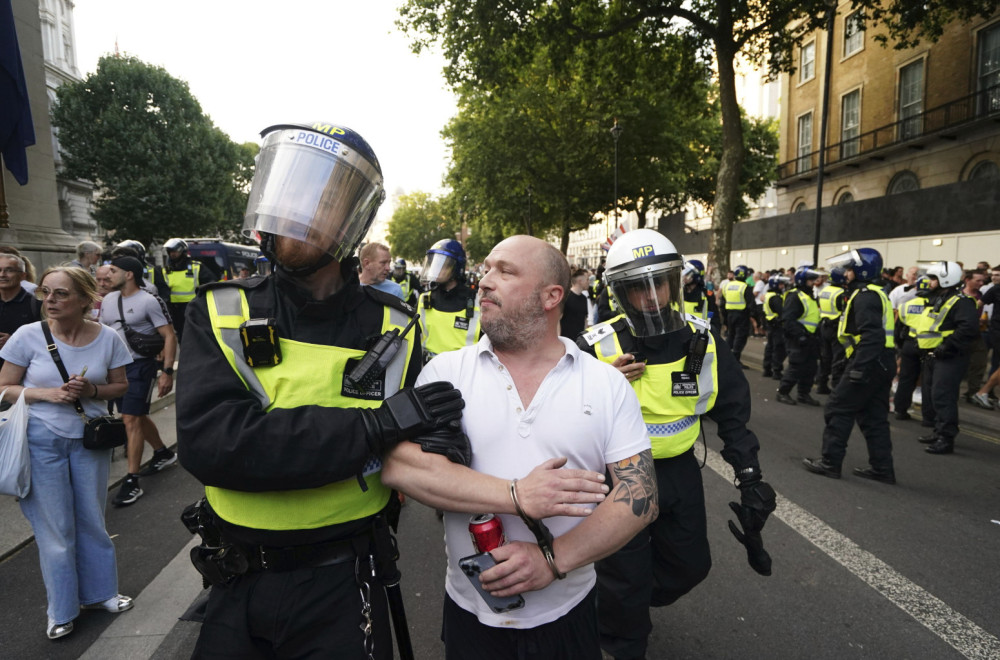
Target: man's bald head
552	267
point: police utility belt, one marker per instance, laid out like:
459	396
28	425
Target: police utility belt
221	560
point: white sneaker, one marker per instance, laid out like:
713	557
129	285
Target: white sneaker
982	400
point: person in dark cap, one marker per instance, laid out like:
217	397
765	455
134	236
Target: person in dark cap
129	305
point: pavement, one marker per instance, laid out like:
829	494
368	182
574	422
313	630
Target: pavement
157	632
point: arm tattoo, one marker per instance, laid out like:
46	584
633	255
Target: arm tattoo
637	483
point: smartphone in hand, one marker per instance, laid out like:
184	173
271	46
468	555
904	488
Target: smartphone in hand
472	566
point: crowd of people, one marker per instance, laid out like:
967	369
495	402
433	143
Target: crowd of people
563	404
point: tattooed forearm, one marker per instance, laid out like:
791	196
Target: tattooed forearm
637	484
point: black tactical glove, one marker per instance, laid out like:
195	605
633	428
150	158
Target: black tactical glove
943	352
412	412
453	444
756	503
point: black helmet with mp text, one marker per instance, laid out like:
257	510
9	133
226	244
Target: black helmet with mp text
318	183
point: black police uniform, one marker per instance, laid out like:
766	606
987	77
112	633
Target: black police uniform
909	357
226	440
178	309
863	394
774	347
832	358
671	556
415	288
604	311
944	368
802	346
738	322
455	299
696	295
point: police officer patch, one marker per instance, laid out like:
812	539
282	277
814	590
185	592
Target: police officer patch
684	384
461	323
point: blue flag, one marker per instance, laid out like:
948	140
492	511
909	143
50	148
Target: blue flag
16	128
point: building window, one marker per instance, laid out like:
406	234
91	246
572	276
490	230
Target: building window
850	123
985	170
798	208
911	99
854	33
989	69
807	61
905	181
804	162
846	198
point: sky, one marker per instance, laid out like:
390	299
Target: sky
252	64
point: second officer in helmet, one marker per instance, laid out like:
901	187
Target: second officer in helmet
449	316
679	371
272	421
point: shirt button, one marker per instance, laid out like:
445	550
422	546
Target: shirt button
508	387
518	410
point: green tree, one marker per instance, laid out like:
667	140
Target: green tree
419	221
487	42
537	156
161	167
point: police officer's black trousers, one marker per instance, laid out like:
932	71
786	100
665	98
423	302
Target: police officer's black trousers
802	363
738	324
831	355
305	613
774	348
942	380
909	372
662	563
866	402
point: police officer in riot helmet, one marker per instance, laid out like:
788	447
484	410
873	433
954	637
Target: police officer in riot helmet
407	281
866	331
945	339
774	348
285	435
182	275
800	322
449	316
680	371
696	301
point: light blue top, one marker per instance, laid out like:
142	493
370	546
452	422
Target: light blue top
388	286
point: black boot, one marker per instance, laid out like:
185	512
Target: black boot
821	466
784	398
928	439
823	388
776	376
941	446
767	372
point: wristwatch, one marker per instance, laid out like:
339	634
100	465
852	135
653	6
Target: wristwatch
168	370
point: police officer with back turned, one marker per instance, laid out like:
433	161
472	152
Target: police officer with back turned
736	303
679	371
866	330
285	433
800	321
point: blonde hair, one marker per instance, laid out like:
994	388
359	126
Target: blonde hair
83	282
370	250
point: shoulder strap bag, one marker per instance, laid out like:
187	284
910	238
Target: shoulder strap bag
104	432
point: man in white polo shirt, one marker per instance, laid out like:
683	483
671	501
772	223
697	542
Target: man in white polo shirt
531	396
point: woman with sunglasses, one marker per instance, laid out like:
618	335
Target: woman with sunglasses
69	484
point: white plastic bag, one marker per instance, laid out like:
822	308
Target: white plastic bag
15	463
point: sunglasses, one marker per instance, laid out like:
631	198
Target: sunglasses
43	292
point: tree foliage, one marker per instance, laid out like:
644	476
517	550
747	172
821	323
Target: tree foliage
161	167
418	222
487	43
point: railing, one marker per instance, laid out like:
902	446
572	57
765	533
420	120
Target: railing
982	104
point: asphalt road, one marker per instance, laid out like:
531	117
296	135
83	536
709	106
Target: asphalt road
861	569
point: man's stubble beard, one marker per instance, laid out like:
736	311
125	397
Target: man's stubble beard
519	328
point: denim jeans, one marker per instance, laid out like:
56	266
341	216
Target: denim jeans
69	491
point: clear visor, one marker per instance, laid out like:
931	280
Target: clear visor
651	301
848	259
315	189
438	269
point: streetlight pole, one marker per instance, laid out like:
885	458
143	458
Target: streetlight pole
831	14
616	131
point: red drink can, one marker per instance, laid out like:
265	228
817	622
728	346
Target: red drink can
486	531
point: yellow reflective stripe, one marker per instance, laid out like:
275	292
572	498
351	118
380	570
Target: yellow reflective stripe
228	309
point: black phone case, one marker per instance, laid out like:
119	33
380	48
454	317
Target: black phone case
472	566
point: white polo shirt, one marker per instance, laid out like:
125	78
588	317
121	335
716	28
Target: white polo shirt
584	410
